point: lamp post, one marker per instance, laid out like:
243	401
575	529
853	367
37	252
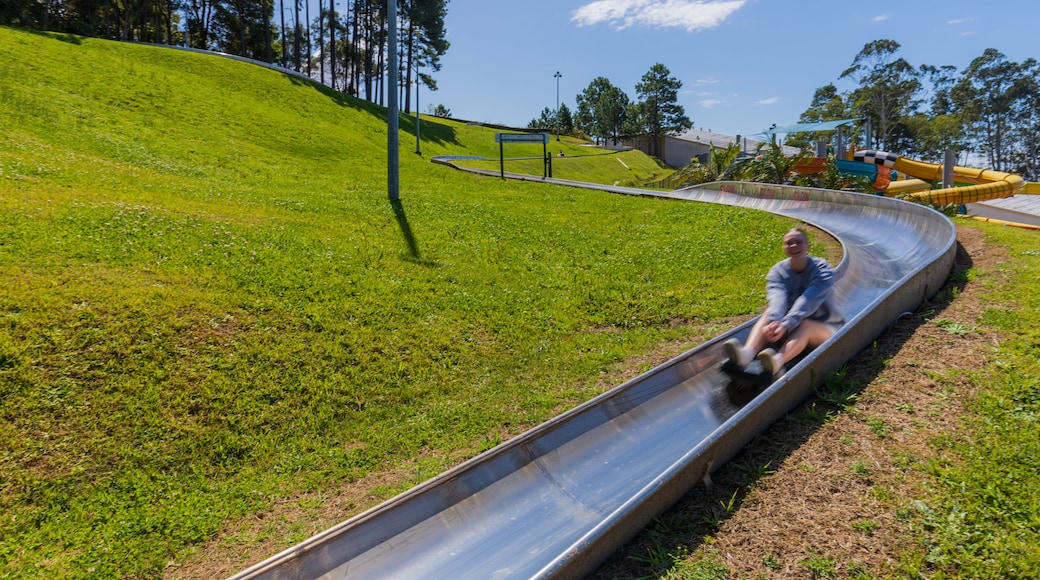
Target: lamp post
417	82
557	77
393	171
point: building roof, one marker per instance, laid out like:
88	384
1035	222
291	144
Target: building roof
709	137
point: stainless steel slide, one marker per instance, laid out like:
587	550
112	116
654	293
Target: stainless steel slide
559	499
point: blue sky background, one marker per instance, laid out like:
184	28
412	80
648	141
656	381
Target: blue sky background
744	64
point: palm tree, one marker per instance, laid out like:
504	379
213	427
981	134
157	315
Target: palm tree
771	165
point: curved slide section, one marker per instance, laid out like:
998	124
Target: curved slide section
559	499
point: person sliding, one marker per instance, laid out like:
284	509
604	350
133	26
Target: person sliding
801	312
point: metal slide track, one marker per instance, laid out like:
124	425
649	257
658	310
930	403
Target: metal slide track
558	500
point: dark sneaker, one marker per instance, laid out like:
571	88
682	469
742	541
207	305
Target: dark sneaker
735	352
770	362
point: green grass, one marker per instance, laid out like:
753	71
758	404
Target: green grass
983	517
209	304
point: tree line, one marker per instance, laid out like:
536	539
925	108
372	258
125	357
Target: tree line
991	108
346	50
606	113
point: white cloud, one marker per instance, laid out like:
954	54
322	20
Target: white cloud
880	18
962	21
691	15
769	101
709	103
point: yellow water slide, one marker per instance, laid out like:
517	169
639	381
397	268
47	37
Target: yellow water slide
987	184
984	183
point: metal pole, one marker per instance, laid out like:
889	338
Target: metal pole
417	150
949	160
392	181
557	76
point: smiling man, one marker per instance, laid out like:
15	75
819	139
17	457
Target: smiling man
801	312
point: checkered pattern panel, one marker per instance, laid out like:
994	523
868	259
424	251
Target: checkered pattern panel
876	157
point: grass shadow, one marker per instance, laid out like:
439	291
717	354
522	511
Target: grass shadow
685	527
59	36
429	130
414	255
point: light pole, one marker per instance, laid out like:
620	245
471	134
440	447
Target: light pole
393	184
557	77
417	150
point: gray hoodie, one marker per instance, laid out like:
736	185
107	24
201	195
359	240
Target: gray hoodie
795	296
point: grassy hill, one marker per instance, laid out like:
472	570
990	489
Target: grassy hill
210	306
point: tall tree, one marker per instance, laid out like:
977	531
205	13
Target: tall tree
237	27
660	113
888	87
564	119
827	105
602	110
990	90
425	40
1026	158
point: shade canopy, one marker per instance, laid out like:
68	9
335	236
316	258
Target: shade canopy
806	127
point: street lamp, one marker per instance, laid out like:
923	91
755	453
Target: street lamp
557	77
417	81
393	175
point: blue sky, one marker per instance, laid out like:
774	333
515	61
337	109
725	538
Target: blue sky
744	64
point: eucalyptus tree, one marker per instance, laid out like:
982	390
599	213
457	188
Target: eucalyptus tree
941	127
425	40
602	110
25	14
241	27
659	112
991	92
888	88
827	105
1026	157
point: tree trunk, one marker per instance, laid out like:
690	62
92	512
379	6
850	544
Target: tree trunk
321	39
296	36
267	31
332	44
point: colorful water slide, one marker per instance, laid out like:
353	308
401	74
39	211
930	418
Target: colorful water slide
973	185
981	184
879	176
558	500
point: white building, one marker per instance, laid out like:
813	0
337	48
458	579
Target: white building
677	151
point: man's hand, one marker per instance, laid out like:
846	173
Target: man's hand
774	332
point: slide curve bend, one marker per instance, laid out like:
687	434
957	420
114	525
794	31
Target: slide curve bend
558	500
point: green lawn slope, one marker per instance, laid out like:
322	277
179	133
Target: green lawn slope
209	305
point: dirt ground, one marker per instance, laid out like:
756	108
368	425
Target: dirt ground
808	488
839	489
